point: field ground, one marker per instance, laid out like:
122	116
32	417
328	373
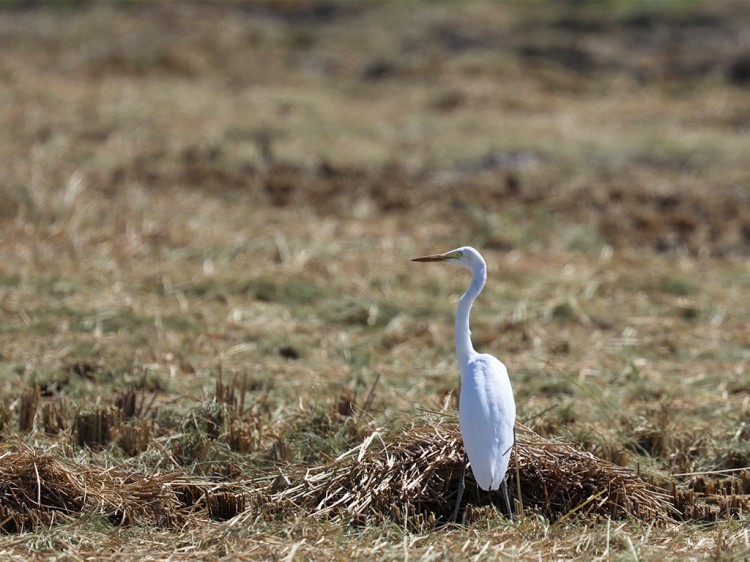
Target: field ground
207	214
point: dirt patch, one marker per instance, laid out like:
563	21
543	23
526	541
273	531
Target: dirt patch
645	43
697	222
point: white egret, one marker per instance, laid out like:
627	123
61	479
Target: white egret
486	410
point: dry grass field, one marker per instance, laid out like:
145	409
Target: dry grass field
213	345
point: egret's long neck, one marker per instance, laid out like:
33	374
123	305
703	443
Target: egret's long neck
463	333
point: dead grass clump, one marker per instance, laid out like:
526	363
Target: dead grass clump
246	426
319	434
223	419
687	504
710	499
54	418
5	417
558	480
98	427
221	502
29	403
412	477
244	435
190	494
241	428
135	436
134	405
223	505
38	490
191	447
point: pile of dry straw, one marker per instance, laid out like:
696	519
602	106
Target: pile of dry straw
411	476
38	490
408	476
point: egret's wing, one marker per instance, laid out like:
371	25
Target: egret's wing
487	413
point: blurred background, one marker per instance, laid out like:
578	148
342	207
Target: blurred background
628	119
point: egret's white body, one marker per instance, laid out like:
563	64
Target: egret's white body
486	414
487	411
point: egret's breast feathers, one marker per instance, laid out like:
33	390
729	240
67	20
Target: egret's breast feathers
487	413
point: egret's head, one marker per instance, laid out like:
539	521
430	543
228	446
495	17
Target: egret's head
465	256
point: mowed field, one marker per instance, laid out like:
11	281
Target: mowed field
214	345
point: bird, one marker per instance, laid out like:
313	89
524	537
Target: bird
487	409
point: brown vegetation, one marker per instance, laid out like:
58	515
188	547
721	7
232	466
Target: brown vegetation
212	341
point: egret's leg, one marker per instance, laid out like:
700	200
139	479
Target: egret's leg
460	488
504	486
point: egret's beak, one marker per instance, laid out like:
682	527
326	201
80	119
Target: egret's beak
433	257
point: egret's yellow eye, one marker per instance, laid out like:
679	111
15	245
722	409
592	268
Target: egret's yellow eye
458	255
